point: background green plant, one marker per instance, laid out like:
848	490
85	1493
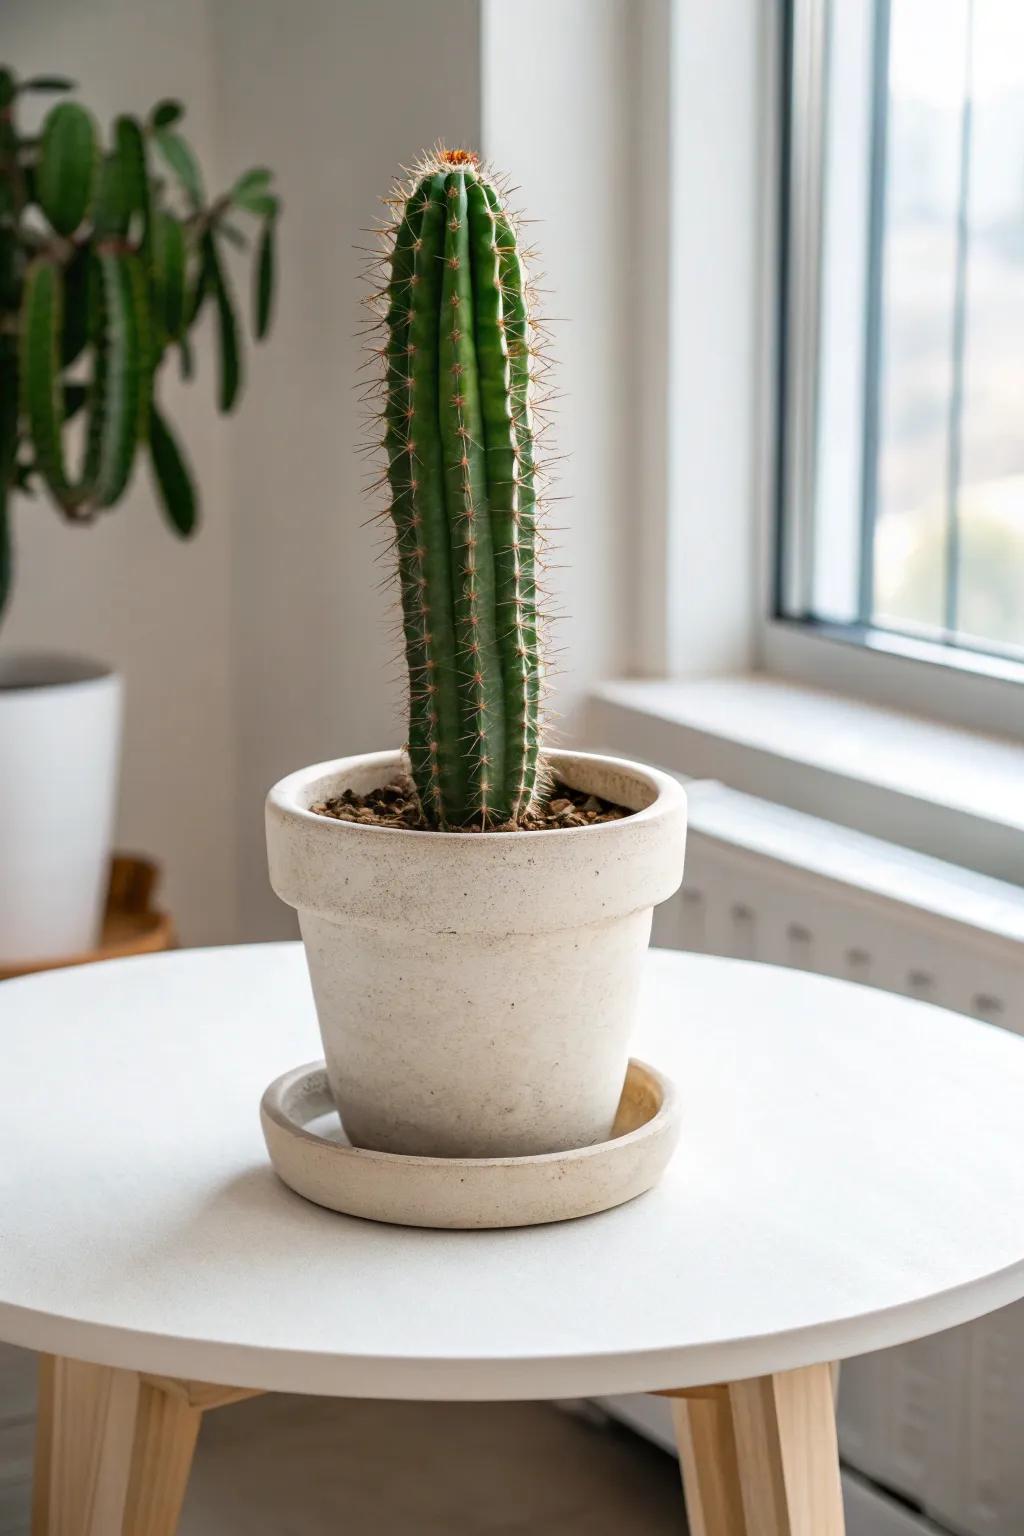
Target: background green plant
109	256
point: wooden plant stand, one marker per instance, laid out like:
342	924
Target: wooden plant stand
132	925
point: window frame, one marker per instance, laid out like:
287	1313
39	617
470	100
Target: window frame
955	682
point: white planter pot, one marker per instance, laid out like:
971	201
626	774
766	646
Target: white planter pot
60	738
476	992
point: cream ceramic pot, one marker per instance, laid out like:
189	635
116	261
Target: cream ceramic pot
476	992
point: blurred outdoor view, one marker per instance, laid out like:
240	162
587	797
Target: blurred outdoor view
949	530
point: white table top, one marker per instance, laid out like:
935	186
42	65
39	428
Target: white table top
851	1175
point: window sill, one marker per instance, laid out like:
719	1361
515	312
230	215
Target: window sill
942	789
917	677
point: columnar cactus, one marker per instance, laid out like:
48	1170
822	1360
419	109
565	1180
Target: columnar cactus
106	264
461	474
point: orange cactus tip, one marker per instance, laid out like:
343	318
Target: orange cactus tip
459	157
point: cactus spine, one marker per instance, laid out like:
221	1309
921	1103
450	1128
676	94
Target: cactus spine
460	449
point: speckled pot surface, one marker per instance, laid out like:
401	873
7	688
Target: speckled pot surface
476	991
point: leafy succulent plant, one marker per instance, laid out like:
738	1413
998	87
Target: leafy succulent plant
108	258
460	361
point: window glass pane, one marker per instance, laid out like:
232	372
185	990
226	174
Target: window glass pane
903	429
918	292
990	595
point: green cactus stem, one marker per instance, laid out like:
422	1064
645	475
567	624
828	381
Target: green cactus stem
461	470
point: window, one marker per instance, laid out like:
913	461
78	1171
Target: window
902	476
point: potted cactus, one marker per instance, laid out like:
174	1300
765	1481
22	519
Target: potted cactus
475	908
109	258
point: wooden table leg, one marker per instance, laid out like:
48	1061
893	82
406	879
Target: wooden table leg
707	1460
114	1448
760	1458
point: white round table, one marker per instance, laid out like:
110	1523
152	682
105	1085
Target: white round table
850	1176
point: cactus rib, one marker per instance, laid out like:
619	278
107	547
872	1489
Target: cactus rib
434	693
402	477
460	469
131	150
41	316
517	340
169	263
497	401
466	497
68	166
117	397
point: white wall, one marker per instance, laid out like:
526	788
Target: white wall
700	434
557	118
715	82
269	642
336	105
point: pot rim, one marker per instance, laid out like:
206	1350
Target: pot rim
29	672
669	793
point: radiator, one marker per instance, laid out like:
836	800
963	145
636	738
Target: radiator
938	1424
